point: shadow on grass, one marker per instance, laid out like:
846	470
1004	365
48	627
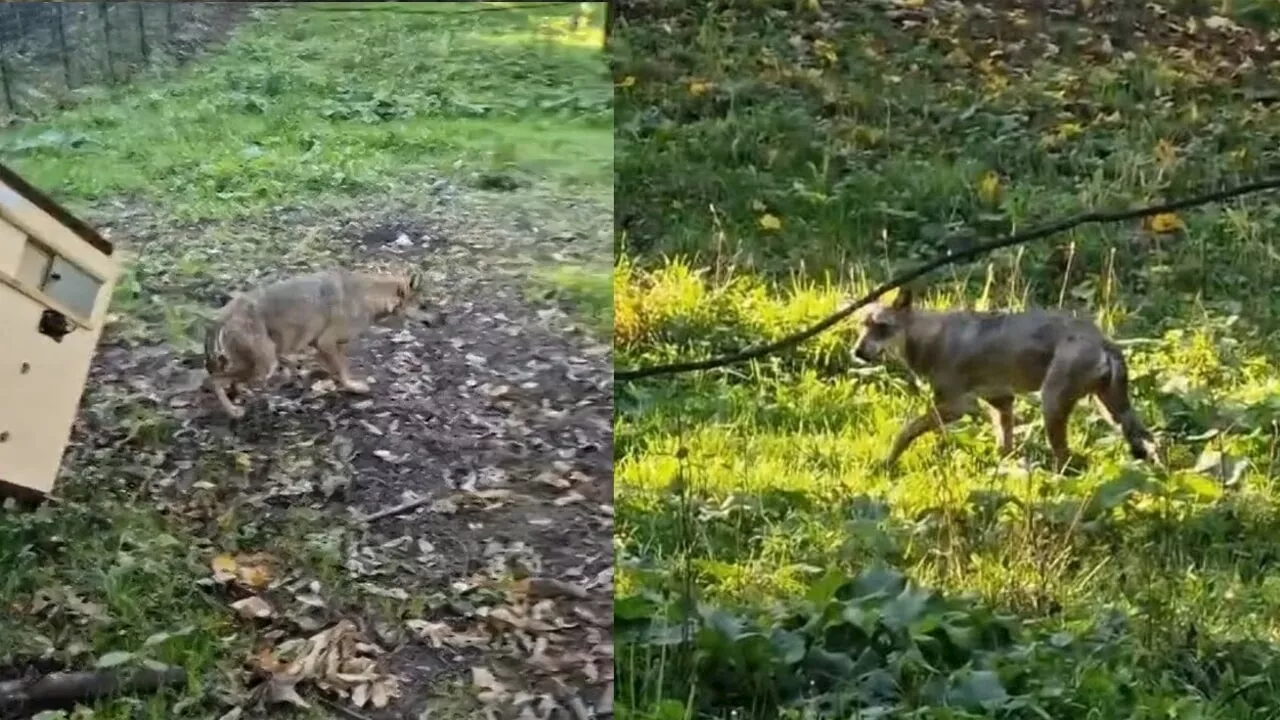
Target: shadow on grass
1178	598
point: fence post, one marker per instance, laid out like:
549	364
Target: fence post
6	83
19	19
168	20
60	27
142	32
106	34
608	21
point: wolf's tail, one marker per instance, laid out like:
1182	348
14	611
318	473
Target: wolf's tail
1116	403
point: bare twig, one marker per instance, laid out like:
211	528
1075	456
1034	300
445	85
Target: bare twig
949	259
400	509
341	709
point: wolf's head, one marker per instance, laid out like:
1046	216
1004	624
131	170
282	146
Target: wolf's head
882	327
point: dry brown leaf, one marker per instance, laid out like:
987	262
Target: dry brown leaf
360	695
224	568
568	499
554	480
253	608
550	587
381	694
490	689
439	634
253	571
283	689
334	660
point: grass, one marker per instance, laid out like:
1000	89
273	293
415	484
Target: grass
774	161
585	291
321	102
301	110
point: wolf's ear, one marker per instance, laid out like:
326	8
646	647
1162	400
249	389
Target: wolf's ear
902	300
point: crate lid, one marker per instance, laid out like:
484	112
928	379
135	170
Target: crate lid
56	210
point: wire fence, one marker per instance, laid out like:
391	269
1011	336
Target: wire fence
49	50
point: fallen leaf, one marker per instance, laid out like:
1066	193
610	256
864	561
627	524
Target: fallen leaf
112	659
568	499
360	695
1165	223
491	691
253	571
554	480
628	81
699	87
284	689
770	222
253	608
549	587
989	187
224	568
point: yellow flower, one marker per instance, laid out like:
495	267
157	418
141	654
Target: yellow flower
825	51
628	81
989	187
699	87
770	222
1166	223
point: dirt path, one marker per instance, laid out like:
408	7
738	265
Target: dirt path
498	414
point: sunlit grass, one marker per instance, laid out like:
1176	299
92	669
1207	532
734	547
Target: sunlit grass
765	180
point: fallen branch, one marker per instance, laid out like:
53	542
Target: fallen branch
400	509
65	690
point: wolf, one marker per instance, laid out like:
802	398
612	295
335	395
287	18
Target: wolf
966	356
325	310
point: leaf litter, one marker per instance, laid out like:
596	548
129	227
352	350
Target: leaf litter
495	427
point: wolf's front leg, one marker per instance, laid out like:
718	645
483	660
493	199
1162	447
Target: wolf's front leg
942	413
219	386
334	356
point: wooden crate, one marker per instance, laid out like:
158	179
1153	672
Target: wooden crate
56	278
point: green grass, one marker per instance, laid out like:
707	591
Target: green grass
585	291
749	500
301	112
353	103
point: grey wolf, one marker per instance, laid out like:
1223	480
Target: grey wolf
966	356
325	310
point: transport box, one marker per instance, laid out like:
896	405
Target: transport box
56	277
